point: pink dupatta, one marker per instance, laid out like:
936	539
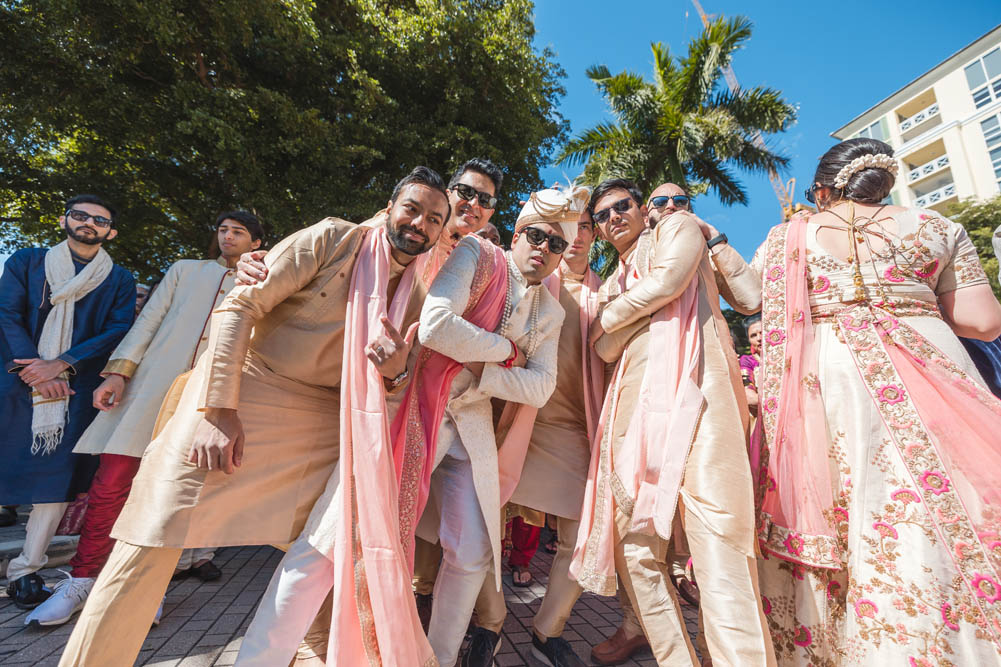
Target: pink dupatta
657	441
415	429
375	618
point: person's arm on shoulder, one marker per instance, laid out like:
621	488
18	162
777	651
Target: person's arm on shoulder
13	307
737	281
680	247
442	327
964	294
292	265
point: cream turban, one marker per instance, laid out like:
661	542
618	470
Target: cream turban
555	206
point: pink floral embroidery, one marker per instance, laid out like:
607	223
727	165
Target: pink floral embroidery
771	404
833	588
919	662
885	529
893	274
776	273
959	548
766	605
803	637
986	588
935	482
866	608
928	270
890	393
794	544
850	322
821	284
840	514
888	323
775	336
995	548
949	617
905	496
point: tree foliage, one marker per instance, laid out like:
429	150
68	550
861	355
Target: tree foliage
685	126
296	109
980	220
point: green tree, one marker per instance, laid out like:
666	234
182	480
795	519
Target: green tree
980	220
685	126
297	109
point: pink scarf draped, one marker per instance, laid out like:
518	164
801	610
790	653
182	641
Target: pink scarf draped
943	425
592	365
415	429
375	618
656	445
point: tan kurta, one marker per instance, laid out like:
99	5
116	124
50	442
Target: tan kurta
274	354
170	333
559	453
717	471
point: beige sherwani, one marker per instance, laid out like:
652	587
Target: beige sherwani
466	437
716	503
274	355
171	332
555	474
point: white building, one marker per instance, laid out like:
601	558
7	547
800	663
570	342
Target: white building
945	128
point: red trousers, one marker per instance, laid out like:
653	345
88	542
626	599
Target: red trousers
524	542
108	493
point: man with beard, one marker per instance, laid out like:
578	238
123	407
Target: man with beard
674	438
167	339
256	432
62	311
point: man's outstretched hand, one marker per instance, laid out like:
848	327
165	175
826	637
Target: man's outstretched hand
250	270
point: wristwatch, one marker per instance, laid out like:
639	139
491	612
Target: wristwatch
716	241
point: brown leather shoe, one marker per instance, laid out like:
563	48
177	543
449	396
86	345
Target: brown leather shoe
617	649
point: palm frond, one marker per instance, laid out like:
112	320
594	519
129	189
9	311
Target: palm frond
761	109
582	147
720	179
707	54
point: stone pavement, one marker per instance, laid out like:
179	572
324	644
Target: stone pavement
204	623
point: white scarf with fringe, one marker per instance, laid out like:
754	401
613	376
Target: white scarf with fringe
48	416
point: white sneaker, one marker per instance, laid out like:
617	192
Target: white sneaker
68	597
159	612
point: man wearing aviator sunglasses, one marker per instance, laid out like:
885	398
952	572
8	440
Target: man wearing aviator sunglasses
62	311
666	199
676	438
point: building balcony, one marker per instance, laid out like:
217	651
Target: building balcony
911	122
928	168
936	196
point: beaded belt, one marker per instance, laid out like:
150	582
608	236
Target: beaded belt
897	306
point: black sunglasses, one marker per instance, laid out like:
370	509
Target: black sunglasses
83	216
467	192
621	206
679	200
810	197
536	237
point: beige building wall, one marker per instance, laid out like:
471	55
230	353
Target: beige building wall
936	125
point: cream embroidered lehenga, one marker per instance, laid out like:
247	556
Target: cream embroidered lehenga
889	554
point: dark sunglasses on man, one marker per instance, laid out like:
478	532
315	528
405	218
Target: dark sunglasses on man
680	201
83	216
467	192
620	207
537	237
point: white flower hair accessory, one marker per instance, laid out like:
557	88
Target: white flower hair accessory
879	161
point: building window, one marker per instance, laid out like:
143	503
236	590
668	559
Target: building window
992	135
984	78
874	131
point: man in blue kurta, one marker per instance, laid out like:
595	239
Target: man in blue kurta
62	311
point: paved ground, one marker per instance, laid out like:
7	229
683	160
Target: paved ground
204	623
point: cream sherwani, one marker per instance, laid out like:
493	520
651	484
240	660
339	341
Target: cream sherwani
274	355
464	508
716	503
555	474
171	332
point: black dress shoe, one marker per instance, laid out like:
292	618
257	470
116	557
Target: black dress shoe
482	648
555	652
29	591
206	571
424	605
8	516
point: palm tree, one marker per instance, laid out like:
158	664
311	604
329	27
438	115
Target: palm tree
684	127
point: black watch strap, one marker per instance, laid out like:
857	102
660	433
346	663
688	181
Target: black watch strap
716	241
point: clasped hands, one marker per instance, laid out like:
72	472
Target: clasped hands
43	376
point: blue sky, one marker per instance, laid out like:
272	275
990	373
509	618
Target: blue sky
832	60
